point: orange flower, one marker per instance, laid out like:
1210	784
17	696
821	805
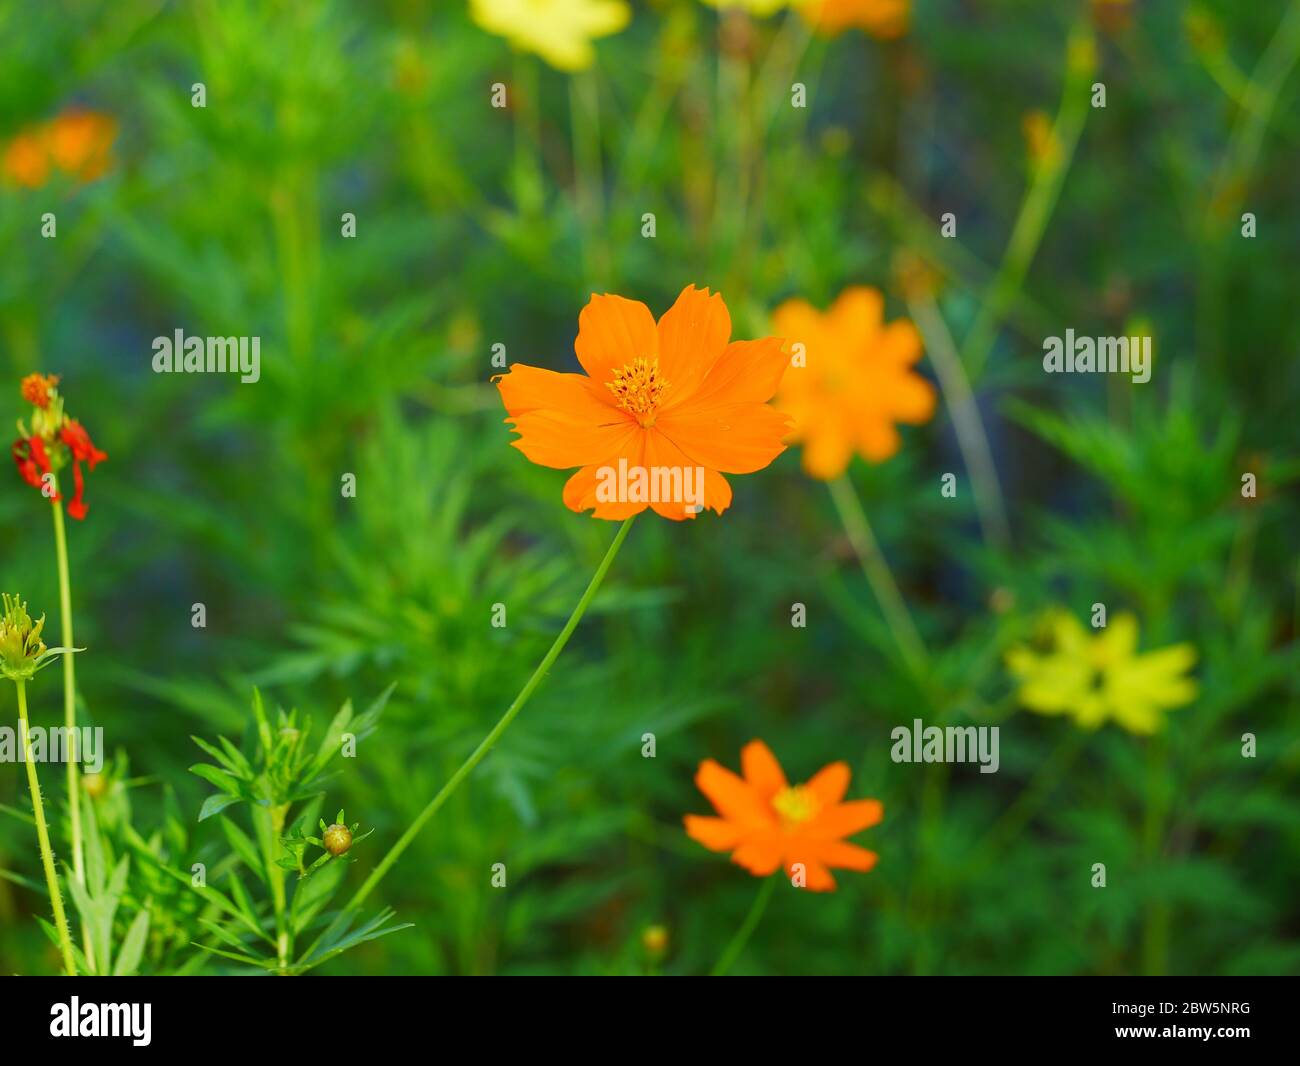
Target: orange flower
25	161
856	383
79	143
766	823
885	19
76	142
662	412
36	389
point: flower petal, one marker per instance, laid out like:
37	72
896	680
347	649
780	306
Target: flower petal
762	772
732	797
748	371
693	336
830	783
613	332
845	819
557	439
734	438
844	856
530	388
716	834
760	854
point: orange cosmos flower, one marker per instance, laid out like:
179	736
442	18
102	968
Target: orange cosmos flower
767	824
79	143
25	161
856	383
885	19
76	142
663	411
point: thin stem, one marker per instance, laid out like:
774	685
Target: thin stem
971	437
746	930
69	690
858	528
43	835
589	179
489	741
70	712
1038	204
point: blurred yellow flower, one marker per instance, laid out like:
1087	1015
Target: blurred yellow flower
1102	677
1041	142
855	380
753	7
560	31
885	19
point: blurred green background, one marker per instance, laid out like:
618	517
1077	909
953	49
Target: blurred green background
478	226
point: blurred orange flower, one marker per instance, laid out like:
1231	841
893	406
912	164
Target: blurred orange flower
856	381
885	19
672	398
765	823
76	142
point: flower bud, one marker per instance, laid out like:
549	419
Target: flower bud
338	839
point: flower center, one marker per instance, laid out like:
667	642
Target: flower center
796	804
638	388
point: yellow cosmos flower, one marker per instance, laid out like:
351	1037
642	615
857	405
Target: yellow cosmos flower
855	383
1101	677
560	31
761	8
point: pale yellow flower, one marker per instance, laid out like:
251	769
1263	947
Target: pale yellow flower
560	31
1103	677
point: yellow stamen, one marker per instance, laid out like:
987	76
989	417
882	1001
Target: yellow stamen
796	804
638	388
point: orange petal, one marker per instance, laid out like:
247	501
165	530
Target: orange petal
693	335
705	488
558	439
878	440
748	371
580	495
845	819
844	856
816	877
827	448
530	388
716	834
734	438
732	798
912	399
613	332
857	315
830	783
900	342
762	771
760	854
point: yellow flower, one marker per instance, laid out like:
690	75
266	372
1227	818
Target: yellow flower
1102	677
560	31
753	7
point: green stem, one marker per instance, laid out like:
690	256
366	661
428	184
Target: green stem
962	408
70	712
489	741
43	835
858	528
69	689
746	930
1038	204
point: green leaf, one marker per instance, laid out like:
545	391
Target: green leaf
244	848
132	950
216	804
224	781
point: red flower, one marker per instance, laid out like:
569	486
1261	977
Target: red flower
83	448
32	459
